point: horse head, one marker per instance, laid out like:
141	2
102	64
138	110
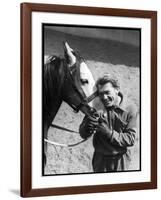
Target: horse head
79	86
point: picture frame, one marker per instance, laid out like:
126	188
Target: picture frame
27	79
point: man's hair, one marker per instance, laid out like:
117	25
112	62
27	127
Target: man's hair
108	79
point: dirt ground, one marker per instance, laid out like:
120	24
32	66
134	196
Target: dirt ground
102	56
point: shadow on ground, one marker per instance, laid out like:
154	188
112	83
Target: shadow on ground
15	191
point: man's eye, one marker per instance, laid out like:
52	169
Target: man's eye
104	93
84	81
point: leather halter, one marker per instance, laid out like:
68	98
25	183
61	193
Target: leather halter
62	144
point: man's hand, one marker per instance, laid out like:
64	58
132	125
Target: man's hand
88	126
103	129
91	125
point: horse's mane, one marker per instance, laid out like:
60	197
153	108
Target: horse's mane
53	76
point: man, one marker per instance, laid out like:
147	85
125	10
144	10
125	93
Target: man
114	131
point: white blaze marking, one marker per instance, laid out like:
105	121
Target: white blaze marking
85	73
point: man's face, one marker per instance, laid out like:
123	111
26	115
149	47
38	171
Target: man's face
107	94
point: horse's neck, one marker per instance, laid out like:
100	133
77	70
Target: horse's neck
53	81
49	116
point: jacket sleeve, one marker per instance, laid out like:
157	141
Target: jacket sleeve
126	137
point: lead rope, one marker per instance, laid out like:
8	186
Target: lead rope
61	144
68	130
64	145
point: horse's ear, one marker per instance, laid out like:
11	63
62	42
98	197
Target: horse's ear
68	53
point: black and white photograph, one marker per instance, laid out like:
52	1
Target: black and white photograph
91	110
88	83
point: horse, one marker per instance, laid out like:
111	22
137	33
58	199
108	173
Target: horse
66	79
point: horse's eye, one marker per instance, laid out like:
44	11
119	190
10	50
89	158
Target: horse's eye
84	81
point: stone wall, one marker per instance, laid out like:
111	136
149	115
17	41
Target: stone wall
129	36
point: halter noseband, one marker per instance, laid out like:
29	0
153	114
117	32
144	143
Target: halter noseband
85	102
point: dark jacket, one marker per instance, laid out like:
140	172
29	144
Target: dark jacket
123	123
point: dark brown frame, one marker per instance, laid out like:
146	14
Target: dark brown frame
26	103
